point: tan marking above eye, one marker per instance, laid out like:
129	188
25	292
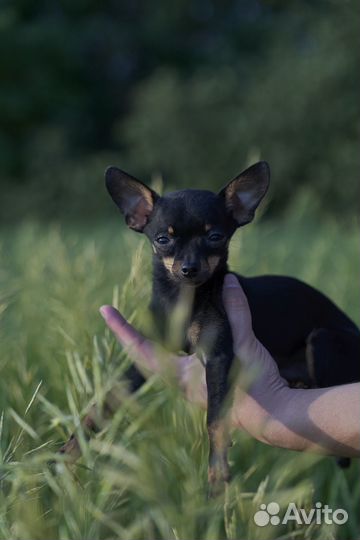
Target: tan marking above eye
168	263
207	227
170	229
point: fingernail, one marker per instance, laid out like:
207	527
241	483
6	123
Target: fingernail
231	281
103	311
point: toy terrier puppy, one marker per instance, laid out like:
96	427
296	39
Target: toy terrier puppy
189	230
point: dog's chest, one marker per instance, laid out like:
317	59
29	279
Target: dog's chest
204	329
203	324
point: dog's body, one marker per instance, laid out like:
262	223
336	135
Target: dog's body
313	342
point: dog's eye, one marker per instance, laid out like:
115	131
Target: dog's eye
215	237
162	240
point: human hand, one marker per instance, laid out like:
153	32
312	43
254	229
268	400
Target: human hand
267	409
323	420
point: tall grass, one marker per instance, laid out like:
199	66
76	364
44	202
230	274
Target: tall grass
144	475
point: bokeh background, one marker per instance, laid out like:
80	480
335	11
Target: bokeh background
192	90
184	93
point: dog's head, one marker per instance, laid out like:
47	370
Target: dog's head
189	229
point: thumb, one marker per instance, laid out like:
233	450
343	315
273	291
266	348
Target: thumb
126	334
237	310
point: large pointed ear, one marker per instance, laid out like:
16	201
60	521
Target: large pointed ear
134	199
244	193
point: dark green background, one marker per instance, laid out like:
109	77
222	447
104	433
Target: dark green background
188	90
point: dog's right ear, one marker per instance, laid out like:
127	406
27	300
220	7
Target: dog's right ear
134	199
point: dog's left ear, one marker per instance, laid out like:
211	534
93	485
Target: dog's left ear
244	193
134	199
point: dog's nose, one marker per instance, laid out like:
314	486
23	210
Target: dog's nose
189	270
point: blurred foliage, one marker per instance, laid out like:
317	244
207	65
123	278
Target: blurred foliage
146	470
190	89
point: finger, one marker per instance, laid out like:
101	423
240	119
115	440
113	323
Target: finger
192	379
126	334
235	303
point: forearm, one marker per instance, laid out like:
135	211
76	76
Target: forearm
324	420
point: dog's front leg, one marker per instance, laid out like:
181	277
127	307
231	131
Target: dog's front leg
218	364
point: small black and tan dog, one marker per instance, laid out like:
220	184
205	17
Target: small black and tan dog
311	339
313	342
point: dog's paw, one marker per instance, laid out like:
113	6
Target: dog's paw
218	476
70	450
